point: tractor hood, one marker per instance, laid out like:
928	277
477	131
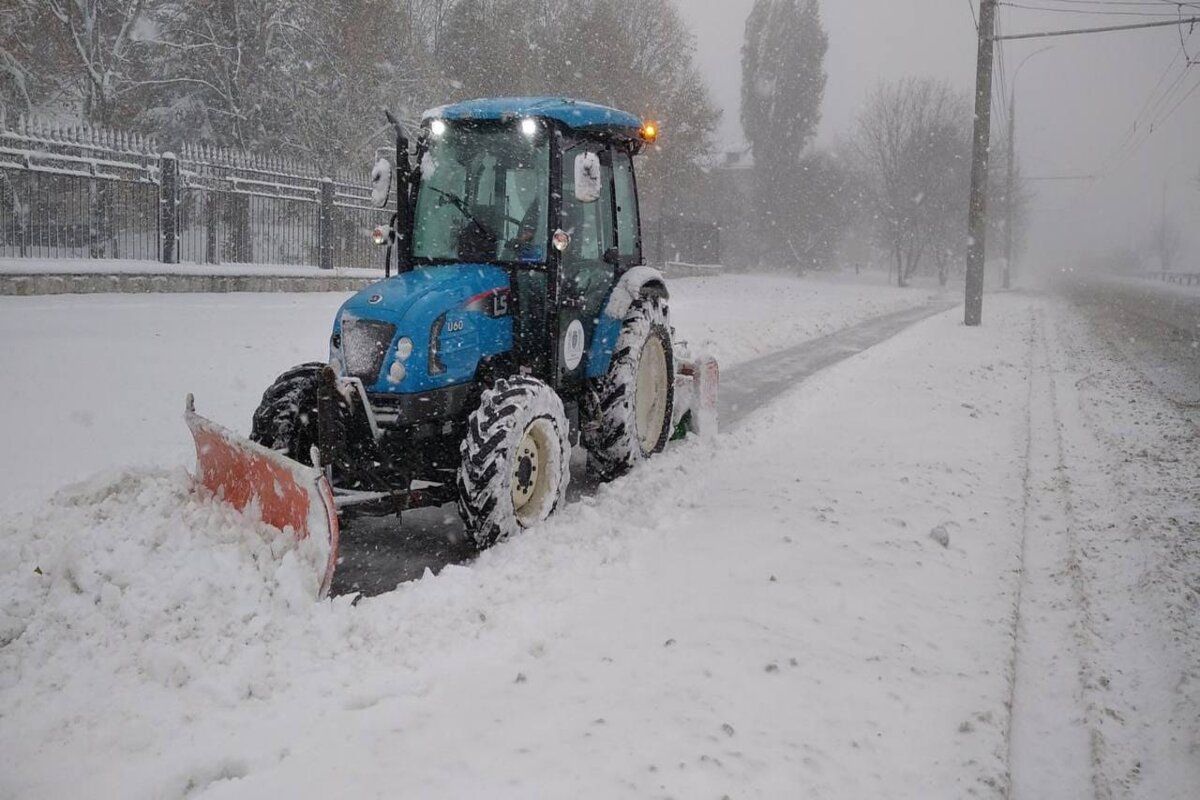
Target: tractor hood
390	300
431	307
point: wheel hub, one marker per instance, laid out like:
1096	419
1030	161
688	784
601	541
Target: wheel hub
525	471
650	399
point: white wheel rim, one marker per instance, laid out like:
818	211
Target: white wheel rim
531	477
650	400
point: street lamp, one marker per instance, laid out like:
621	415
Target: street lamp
1012	151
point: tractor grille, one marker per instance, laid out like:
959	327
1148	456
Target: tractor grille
365	343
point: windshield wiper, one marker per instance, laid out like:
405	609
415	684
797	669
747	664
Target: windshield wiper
461	205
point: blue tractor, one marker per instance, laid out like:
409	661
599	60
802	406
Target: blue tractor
520	320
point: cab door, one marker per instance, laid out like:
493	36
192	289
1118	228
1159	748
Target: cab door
589	263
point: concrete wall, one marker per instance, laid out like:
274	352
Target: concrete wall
143	284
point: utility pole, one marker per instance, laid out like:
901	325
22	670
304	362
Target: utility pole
1008	192
1162	232
977	220
1009	196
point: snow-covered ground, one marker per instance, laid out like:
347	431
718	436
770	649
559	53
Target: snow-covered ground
838	599
740	317
94	382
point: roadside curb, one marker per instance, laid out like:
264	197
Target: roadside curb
150	283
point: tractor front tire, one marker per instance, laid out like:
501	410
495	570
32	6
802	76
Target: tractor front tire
628	410
515	460
286	419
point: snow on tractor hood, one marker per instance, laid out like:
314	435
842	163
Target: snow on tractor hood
441	288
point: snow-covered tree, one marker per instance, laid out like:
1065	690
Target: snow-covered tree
309	78
86	53
17	22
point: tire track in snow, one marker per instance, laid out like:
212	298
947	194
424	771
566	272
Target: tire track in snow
1134	503
1054	742
751	385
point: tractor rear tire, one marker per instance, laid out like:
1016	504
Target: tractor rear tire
286	419
628	410
515	460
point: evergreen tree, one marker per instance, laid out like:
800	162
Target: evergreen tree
783	79
783	85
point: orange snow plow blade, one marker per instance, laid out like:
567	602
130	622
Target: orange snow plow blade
285	494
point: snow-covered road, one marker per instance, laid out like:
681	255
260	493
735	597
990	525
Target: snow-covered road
838	599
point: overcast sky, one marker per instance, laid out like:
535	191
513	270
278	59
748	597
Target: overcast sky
1076	104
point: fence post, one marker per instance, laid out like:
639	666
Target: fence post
168	203
325	226
212	217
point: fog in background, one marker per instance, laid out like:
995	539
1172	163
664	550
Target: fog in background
1076	105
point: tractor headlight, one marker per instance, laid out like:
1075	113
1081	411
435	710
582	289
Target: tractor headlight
404	348
437	127
397	372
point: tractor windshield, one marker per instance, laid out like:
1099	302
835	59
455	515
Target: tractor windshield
482	195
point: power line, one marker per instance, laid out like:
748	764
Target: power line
1154	3
1080	31
1164	12
1163	120
1133	130
1060	178
1155	118
1160	4
1002	98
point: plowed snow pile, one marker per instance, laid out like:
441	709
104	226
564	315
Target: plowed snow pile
141	574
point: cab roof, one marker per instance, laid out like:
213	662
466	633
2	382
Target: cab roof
578	114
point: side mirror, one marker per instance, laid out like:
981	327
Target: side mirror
588	186
381	183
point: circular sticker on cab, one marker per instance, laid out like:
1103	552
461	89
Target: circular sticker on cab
573	345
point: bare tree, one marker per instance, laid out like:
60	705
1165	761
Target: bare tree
912	146
17	25
93	50
1165	242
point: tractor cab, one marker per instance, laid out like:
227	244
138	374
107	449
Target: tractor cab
539	193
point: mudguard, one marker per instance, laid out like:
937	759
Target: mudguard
285	494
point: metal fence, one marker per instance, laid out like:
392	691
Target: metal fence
1180	278
77	192
676	238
